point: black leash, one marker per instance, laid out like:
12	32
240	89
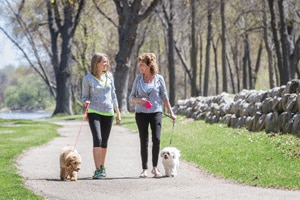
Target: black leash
172	128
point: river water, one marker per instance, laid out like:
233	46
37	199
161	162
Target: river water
24	115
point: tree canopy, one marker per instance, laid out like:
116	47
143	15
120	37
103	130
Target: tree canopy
203	47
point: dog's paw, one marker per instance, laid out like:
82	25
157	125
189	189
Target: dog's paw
168	174
73	178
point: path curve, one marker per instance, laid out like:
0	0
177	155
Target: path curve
40	168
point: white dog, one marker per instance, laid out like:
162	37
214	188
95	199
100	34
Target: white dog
70	162
170	160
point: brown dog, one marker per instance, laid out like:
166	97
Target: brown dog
70	162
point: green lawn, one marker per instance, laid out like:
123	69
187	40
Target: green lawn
16	136
254	158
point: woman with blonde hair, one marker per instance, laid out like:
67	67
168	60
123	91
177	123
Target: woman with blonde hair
149	94
99	97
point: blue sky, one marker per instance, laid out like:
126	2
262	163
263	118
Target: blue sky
8	53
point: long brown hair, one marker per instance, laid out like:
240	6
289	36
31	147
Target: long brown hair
97	57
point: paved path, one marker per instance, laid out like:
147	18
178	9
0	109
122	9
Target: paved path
40	168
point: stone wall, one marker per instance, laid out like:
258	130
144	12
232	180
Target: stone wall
275	110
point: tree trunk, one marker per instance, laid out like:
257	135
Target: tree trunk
216	65
127	30
224	68
296	57
249	61
127	35
63	78
208	44
286	76
167	21
236	65
276	43
171	62
201	64
194	91
245	60
66	27
121	81
231	75
129	18
267	45
257	65
142	29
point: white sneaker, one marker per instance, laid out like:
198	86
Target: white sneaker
144	174
156	173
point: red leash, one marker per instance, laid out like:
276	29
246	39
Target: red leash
83	119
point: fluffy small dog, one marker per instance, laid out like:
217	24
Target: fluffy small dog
170	160
70	162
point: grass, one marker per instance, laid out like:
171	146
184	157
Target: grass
16	136
254	158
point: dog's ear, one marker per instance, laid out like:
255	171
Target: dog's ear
173	155
69	160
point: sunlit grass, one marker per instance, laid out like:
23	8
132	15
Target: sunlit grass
266	160
254	158
16	136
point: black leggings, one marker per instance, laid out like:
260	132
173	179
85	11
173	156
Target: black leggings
100	126
143	120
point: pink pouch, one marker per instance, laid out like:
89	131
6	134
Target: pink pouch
148	105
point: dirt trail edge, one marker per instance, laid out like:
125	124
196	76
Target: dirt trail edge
40	168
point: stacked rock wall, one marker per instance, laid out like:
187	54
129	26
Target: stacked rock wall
275	110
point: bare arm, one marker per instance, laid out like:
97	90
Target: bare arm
141	101
170	111
118	117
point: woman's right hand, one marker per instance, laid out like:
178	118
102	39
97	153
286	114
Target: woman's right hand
143	101
86	104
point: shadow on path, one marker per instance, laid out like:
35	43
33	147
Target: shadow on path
123	167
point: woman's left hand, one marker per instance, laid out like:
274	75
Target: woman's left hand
173	116
118	119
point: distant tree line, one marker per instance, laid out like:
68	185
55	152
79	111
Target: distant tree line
203	47
23	90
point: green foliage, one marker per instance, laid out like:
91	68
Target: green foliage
5	75
254	158
267	160
17	136
30	94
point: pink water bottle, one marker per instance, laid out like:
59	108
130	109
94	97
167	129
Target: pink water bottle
148	105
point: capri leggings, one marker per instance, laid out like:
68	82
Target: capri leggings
100	126
143	120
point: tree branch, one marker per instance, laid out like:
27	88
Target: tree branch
102	13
